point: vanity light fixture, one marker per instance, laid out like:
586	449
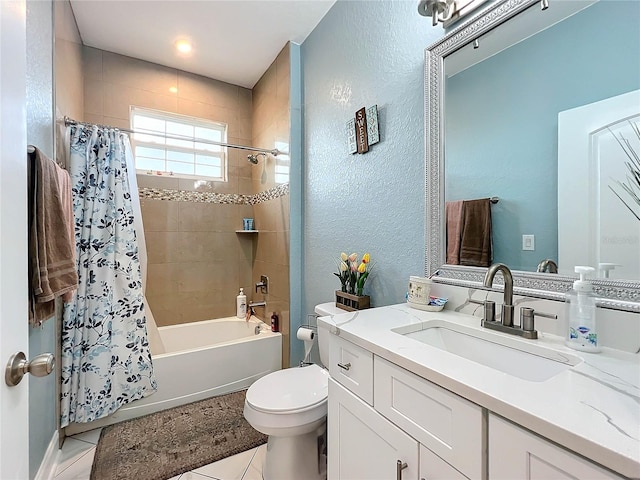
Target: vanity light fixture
476	44
544	4
438	10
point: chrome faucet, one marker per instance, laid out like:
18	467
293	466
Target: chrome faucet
526	328
507	306
250	310
547	265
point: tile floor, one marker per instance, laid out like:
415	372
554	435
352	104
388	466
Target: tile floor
76	457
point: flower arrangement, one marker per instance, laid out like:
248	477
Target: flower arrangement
353	274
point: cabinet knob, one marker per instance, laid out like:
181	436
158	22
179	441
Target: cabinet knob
400	465
344	366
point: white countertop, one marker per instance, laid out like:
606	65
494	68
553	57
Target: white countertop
592	408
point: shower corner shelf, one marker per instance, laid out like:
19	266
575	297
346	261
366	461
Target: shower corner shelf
247	231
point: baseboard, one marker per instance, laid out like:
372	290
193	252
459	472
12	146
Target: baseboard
47	468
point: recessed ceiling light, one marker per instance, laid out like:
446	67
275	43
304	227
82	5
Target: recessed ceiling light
173	89
183	46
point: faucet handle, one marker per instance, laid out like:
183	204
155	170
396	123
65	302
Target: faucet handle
490	310
527	315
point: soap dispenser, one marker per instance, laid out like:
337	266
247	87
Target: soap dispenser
582	333
241	304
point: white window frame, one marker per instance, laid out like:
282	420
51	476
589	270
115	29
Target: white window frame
160	142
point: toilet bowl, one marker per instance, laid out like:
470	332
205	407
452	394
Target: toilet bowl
290	406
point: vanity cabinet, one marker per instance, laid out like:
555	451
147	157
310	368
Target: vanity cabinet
518	453
363	445
445	423
380	414
352	366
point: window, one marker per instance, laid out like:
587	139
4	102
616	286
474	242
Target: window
184	151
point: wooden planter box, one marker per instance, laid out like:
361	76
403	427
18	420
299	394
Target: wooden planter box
349	302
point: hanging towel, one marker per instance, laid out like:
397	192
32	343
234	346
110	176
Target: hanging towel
476	242
454	213
52	265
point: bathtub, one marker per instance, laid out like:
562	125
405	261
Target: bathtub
199	360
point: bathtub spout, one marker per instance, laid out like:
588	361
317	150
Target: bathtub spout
251	311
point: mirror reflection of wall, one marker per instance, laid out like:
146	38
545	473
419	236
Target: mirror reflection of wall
502	120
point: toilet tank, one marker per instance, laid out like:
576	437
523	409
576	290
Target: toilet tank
323	310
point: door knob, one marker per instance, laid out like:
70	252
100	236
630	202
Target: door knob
18	366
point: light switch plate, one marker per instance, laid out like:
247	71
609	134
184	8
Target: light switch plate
528	242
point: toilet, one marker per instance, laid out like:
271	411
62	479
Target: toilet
290	406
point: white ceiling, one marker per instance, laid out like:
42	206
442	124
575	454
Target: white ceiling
233	40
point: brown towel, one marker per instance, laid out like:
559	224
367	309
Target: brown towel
454	213
52	265
475	246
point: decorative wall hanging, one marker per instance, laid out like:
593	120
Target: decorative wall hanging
363	131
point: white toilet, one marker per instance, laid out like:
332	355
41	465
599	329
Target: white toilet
290	406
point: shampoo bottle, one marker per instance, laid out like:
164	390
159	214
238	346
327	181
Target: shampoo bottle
582	333
275	322
241	304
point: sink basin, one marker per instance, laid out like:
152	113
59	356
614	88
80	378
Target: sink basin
512	356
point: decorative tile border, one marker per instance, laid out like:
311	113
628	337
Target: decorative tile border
211	197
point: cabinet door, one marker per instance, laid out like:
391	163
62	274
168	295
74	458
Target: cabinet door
351	366
363	445
432	467
447	424
517	453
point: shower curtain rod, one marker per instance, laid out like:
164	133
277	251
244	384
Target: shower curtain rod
275	152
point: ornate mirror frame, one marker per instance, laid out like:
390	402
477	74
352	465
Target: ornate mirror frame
613	294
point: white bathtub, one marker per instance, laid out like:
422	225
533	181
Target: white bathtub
201	360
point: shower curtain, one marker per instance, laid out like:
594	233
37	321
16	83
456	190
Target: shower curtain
106	361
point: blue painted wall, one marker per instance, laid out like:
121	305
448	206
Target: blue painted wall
42	391
490	153
364	53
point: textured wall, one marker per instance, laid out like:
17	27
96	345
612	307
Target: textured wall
270	129
364	53
42	391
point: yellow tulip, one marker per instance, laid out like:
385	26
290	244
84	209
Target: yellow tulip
343	257
366	258
362	268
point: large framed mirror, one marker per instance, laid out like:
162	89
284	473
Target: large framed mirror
495	88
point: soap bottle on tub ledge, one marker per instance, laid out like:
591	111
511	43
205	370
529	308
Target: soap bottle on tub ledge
582	333
241	304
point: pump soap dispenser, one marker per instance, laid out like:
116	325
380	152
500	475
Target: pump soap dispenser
241	304
582	333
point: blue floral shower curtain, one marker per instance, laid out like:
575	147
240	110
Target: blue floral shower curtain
106	361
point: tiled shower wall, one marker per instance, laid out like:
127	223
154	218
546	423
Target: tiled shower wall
271	130
197	262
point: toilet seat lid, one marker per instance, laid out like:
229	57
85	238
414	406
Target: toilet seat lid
291	389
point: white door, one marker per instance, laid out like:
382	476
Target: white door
594	224
14	405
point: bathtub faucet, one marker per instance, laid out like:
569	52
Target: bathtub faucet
250	310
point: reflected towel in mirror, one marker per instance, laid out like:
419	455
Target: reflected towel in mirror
454	213
476	247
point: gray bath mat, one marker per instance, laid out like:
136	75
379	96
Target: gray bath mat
164	444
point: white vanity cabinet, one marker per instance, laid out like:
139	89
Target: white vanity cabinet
363	445
518	453
352	366
411	418
445	423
